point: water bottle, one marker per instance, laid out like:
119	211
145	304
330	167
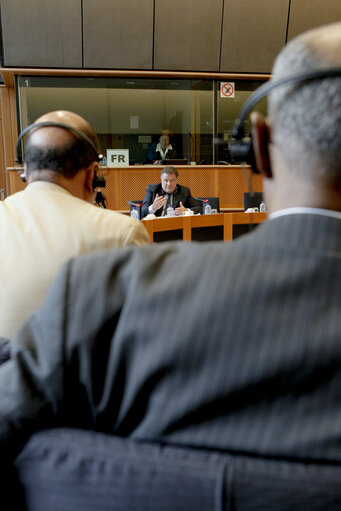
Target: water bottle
262	207
134	214
170	211
208	209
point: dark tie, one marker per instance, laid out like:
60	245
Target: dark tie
166	204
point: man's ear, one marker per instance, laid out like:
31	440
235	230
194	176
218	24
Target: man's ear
89	176
260	131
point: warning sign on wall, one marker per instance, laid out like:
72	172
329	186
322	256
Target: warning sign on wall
227	89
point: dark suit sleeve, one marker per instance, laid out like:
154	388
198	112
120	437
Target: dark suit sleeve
147	200
31	381
4	350
48	380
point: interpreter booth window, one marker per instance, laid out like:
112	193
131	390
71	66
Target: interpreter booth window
231	97
131	115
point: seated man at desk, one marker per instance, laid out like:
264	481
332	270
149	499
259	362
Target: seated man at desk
161	150
160	195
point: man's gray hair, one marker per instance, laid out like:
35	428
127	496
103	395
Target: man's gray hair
306	117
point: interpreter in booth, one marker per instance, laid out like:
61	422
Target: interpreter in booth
161	150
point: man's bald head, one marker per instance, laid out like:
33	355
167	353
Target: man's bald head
58	149
306	117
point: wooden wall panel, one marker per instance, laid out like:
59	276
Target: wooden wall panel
118	34
2	155
254	31
187	35
8	128
228	182
43	33
307	14
14	181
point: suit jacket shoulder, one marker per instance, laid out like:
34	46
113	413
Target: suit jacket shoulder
156	188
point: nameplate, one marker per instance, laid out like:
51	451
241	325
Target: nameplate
117	157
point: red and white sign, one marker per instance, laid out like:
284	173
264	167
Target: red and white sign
227	89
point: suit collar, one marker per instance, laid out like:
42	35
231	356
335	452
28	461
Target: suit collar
306	232
307	211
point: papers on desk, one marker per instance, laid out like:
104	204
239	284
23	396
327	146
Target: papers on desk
252	210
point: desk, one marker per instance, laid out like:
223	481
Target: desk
186	225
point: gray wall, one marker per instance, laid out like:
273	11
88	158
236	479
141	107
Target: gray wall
253	34
42	33
118	34
187	34
179	35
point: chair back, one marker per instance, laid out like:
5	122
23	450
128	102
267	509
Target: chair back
213	201
137	206
252	199
74	470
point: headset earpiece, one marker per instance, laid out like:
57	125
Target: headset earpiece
241	149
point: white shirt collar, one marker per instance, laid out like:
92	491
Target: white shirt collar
305	211
163	153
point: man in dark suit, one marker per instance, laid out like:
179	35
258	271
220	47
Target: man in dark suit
160	195
234	346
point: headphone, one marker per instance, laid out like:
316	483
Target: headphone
98	181
241	149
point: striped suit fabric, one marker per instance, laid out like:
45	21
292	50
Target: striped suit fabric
231	346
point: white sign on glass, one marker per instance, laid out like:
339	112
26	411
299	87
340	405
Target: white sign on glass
117	157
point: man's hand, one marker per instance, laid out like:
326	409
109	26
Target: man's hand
159	202
180	210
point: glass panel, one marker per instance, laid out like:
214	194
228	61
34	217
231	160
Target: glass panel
230	99
131	114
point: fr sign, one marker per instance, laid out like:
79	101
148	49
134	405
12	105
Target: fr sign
117	157
227	90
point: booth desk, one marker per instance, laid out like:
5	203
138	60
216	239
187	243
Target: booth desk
228	182
202	227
